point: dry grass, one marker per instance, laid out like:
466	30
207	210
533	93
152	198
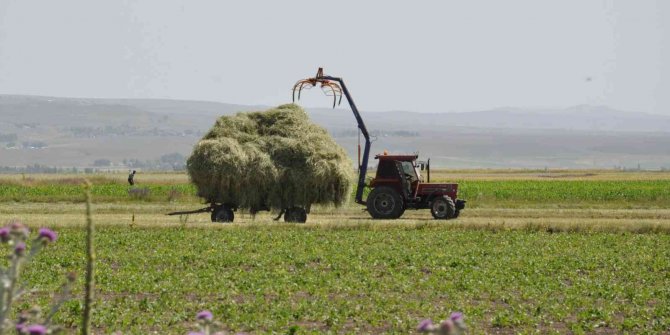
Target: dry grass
153	215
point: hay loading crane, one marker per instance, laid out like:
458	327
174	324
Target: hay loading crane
335	86
397	185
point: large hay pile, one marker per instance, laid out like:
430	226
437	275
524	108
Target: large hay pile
274	159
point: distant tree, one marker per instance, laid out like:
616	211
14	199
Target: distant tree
173	158
8	137
102	162
176	160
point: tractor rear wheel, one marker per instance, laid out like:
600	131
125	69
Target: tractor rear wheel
222	214
295	215
443	208
385	203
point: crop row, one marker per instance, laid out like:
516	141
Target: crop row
477	192
567	190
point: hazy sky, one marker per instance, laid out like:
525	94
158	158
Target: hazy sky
430	56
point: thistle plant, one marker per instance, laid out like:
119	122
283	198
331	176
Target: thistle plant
90	263
454	325
14	236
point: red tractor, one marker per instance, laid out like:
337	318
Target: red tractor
398	185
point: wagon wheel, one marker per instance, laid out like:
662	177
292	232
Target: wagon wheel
222	214
296	215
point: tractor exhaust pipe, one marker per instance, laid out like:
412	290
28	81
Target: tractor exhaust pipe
428	170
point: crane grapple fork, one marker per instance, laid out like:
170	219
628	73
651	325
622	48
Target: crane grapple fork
329	87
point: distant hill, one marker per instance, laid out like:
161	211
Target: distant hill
81	111
583	117
81	131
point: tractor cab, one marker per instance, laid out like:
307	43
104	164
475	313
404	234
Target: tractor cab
398	186
398	172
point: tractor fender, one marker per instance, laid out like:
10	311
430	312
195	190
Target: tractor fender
431	196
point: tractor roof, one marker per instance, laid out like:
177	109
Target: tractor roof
402	158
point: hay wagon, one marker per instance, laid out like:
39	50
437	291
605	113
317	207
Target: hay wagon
397	186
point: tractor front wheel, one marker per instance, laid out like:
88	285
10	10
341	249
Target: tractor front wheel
385	203
443	208
295	215
222	214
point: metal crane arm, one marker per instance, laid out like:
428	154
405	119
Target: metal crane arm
363	168
337	87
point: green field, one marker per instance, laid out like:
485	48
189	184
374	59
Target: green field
577	252
648	191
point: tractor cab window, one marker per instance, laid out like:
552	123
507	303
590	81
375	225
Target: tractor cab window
409	171
387	169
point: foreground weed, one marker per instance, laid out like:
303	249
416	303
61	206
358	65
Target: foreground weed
207	326
32	322
90	265
454	325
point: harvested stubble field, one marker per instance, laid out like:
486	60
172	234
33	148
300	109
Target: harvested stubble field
535	251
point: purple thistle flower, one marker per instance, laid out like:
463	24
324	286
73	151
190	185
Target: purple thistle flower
4	234
36	330
20	327
17	225
204	315
424	325
456	316
20	248
48	234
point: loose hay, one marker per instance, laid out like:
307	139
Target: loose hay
274	159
